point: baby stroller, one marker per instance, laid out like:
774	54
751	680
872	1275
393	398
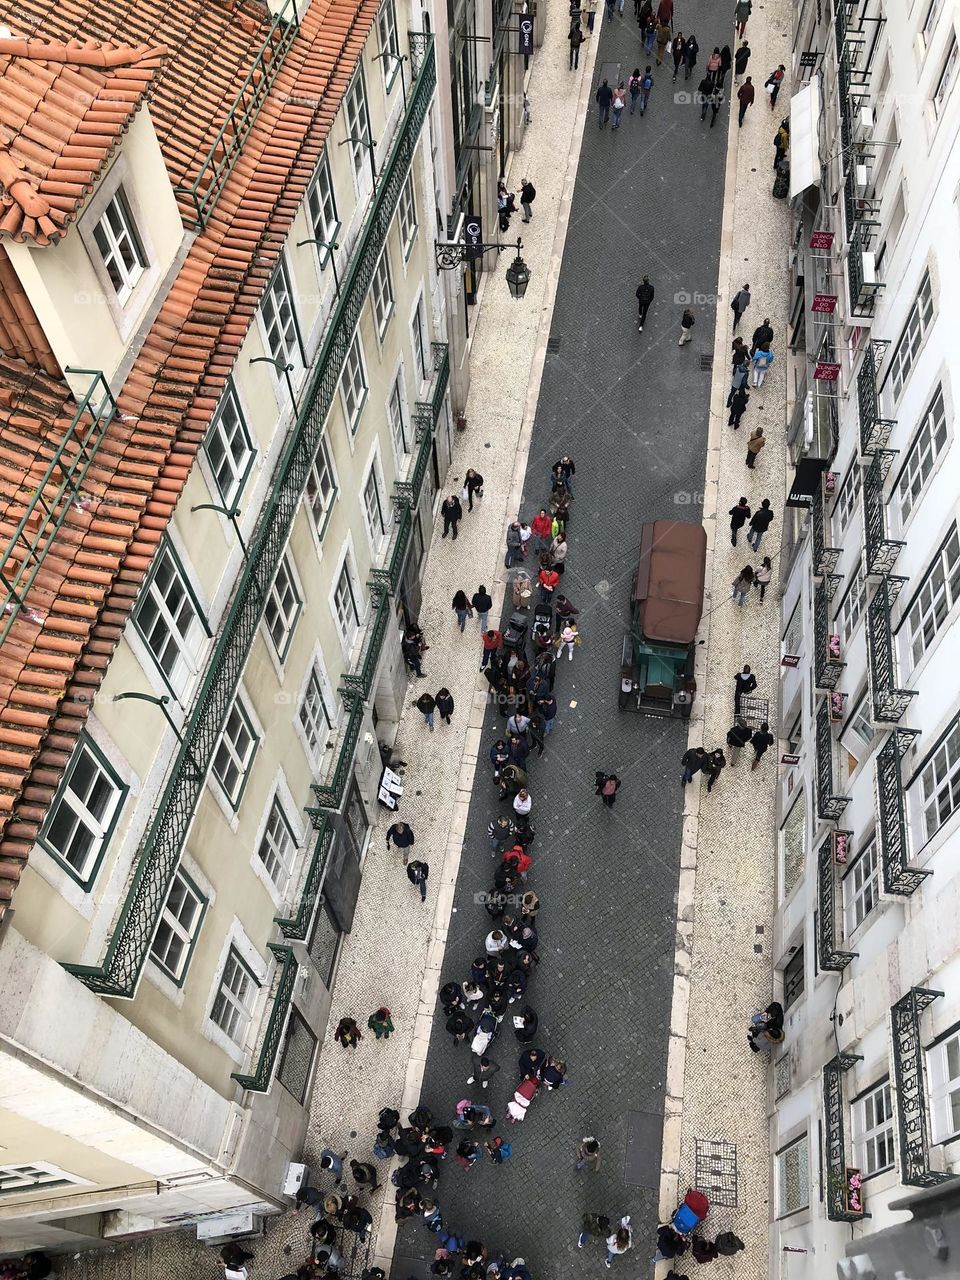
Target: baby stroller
542	627
690	1213
515	632
522	590
526	1092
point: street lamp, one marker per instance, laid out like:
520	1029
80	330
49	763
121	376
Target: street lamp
331	247
518	277
451	254
281	366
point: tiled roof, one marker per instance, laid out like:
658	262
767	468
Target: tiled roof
58	649
64	107
20	333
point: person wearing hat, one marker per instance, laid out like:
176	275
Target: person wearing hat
528	193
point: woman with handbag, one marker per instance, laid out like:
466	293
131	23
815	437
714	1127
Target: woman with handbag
677	46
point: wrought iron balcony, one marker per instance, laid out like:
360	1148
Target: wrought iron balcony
861	275
297	925
889	702
258	1081
159	855
824	558
859	210
839	1208
881	551
827	667
830	957
898	876
830	806
874	429
908	1074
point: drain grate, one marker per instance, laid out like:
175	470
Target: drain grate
553	344
715	1171
706	364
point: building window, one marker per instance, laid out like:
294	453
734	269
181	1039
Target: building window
325	942
381	294
280	321
345	606
235	751
793	978
848	499
283	609
229	449
278	845
321	489
908	347
947	76
792	842
861	887
872	1127
793	632
170	623
235	999
940	781
861	726
373	508
851	606
358	122
19	1178
296	1061
353	384
84	812
179	925
935	597
943	1077
315	717
389	45
120	247
407	214
793	1177
322	210
930	22
928	444
418	334
397	413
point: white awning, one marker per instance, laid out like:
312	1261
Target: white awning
804	138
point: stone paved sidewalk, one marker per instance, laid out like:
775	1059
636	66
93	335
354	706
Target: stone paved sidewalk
717	1088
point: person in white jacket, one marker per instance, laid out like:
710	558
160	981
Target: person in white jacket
619	1242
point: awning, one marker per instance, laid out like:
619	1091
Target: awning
804	138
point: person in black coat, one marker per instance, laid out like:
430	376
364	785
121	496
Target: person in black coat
645	293
744	683
737	402
445	704
761	334
452	513
528	1024
473	483
690	51
739	515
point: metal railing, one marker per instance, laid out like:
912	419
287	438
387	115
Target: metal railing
46	512
889	702
197	198
830	806
863	293
881	551
836	1191
827	668
831	959
259	1079
911	1090
825	558
159	854
298	924
874	429
898	876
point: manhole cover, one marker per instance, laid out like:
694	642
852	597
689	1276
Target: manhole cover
715	1171
553	344
706	364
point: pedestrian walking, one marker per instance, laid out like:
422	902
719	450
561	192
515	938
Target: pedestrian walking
739	515
607	786
693	760
716	102
452	513
677	46
548	580
744	683
741	13
763	576
702	96
542	528
232	1255
713	64
492	640
645	290
575	38
412	646
760	741
426	704
522	804
595	1226
745	96
737	402
687	322
528	193
762	334
726	61
381	1024
738	378
330	1162
646	84
663	39
715	762
772	84
417	874
760	522
569	637
767	1025
565	611
633	84
644	10
588	1155
445	704
473	482
761	362
401	835
741	300
619	1242
559	548
514	545
781	144
740	60
498	1150
665	12
604	99
483	1070
548	709
591	15
347	1033
742	584
690	51
619	102
755	443
461	607
738	735
649	34
482	604
564	470
739	355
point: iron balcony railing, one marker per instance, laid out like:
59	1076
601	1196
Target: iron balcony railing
824	558
159	855
889	702
57	490
874	428
838	1198
297	924
831	959
913	1131
286	976
827	666
898	876
197	198
863	292
882	551
830	806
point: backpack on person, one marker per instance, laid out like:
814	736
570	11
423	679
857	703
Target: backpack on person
647	82
635	84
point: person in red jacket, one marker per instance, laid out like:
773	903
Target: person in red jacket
549	580
542	526
492	640
745	96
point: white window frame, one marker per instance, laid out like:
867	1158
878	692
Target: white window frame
321	489
795	1153
389	44
228	429
381	294
187	646
919	320
925	34
354	386
947	77
111	243
407	216
282	337
284	606
871	1126
860	725
929	443
25	1176
933	602
316	714
241	761
861	887
420	343
850	610
939	780
376	515
848	500
943	1087
398	417
185	933
322	211
346	577
99	827
241	1007
278	844
357	120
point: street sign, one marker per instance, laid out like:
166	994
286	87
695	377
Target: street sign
809	58
790	660
789	759
806	482
526	36
825	303
473	235
821	240
825	372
